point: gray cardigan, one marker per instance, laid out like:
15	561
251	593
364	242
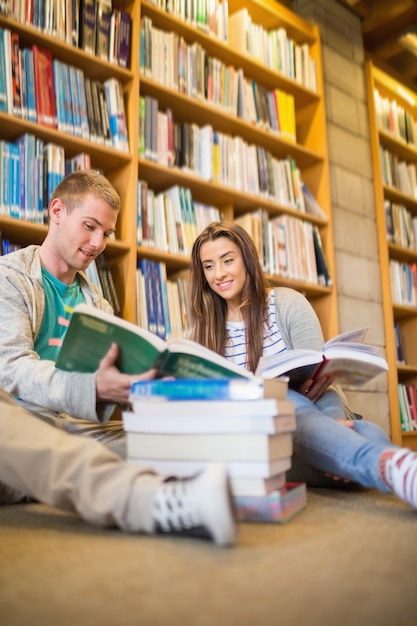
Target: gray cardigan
37	382
300	328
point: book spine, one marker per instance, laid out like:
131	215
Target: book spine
123	50
16	77
88	24
5	178
14	172
117	117
214	389
104	11
44	86
3	88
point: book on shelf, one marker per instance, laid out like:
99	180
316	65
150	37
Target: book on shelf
103	16
5	194
23	84
59	83
117	115
4	105
16	75
44	86
14	172
88	25
210	389
8	69
399	344
104	112
123	39
99	120
323	274
278	506
213	447
92	331
345	358
311	204
107	282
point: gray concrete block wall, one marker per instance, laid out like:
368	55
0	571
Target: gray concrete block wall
358	276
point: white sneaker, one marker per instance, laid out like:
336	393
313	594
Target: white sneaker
199	506
401	475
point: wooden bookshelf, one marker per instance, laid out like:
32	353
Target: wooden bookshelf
382	85
124	169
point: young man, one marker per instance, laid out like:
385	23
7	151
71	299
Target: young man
81	474
39	286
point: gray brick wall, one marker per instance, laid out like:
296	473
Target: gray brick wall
358	276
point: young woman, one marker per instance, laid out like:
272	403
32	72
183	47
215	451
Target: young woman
237	314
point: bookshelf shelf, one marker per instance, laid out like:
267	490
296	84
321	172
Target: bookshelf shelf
381	86
104	157
186	108
96	68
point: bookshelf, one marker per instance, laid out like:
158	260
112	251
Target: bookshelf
118	166
309	151
393	117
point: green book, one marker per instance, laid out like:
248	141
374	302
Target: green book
91	333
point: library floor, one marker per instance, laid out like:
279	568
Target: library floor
348	558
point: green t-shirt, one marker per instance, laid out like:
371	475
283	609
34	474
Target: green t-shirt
60	301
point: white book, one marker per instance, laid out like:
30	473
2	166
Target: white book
117	115
255	486
345	358
220	447
210	416
254	469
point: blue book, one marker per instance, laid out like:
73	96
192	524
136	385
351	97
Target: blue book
159	301
39	172
75	100
85	128
14	172
30	85
3	87
165	302
197	389
146	267
69	114
59	95
27	147
5	177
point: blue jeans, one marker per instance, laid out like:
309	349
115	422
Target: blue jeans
322	444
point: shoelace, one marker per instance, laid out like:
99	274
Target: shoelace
404	475
173	508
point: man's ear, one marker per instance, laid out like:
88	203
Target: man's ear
56	209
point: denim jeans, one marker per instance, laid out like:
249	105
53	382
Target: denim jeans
322	444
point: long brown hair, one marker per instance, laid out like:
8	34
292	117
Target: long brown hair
209	310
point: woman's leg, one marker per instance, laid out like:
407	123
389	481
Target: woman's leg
327	445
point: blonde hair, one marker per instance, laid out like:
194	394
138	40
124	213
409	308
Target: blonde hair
75	187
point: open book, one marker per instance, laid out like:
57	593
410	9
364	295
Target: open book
345	358
91	333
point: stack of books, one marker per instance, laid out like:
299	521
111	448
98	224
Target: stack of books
179	426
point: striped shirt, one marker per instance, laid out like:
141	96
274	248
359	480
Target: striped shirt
236	336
